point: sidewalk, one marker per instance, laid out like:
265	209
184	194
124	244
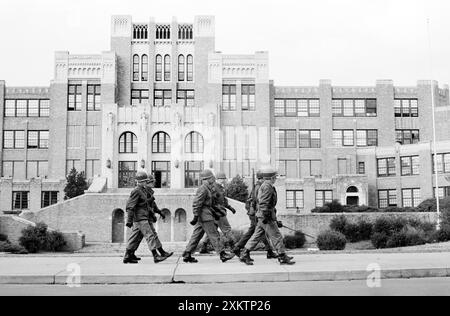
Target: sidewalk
314	267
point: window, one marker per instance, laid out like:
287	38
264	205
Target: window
443	163
73	164
27	108
190	68
158	68
136	68
194	143
287	168
167	65
248	97
361	167
285	138
387	198
229	97
92	168
297	107
127	174
343	138
406	108
310	168
139	96
94	97
181	68
367	138
20	200
192	170
186	98
128	143
443	192
74	97
309	139
14	169
162	98
161	143
410	165
93	136
404	136
49	198
13	139
37	139
386	167
295	199
37	169
357	107
323	197
411	197
144	68
162	169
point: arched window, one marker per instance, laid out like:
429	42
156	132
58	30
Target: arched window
158	68
190	68
167	68
128	143
135	68
194	143
161	143
144	70
181	68
352	189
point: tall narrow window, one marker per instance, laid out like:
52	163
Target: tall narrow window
128	143
194	143
248	97
74	98
161	143
135	68
190	68
229	97
167	66
158	68
144	69
181	68
94	98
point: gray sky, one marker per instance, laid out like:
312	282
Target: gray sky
351	42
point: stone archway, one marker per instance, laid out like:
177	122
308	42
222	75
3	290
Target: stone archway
118	226
165	226
180	225
352	196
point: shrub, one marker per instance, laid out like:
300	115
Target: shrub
409	236
237	189
331	240
37	238
335	207
379	240
3	237
324	209
352	232
6	246
75	184
339	224
365	230
295	241
442	235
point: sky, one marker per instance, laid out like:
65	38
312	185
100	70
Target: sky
351	42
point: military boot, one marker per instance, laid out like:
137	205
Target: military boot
187	257
165	254
271	254
129	258
237	251
133	256
225	256
158	258
284	259
245	257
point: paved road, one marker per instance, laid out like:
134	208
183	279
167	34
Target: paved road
421	287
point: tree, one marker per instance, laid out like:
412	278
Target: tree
76	184
237	189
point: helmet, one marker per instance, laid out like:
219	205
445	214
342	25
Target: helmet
151	178
141	176
206	174
268	172
221	175
259	175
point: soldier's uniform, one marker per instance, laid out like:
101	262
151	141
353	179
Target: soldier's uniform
204	221
267	221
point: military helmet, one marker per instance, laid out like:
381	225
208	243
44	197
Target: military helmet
206	174
221	175
141	176
151	178
268	172
259	175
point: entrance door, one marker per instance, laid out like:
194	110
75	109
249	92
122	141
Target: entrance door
127	174
352	200
158	179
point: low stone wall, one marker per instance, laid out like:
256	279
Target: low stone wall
314	224
12	226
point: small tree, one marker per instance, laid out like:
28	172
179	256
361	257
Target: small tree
237	189
76	184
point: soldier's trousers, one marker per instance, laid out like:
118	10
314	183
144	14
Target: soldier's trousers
211	231
225	227
251	230
141	230
272	232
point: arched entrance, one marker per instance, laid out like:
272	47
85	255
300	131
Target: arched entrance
180	225
352	196
165	226
118	226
